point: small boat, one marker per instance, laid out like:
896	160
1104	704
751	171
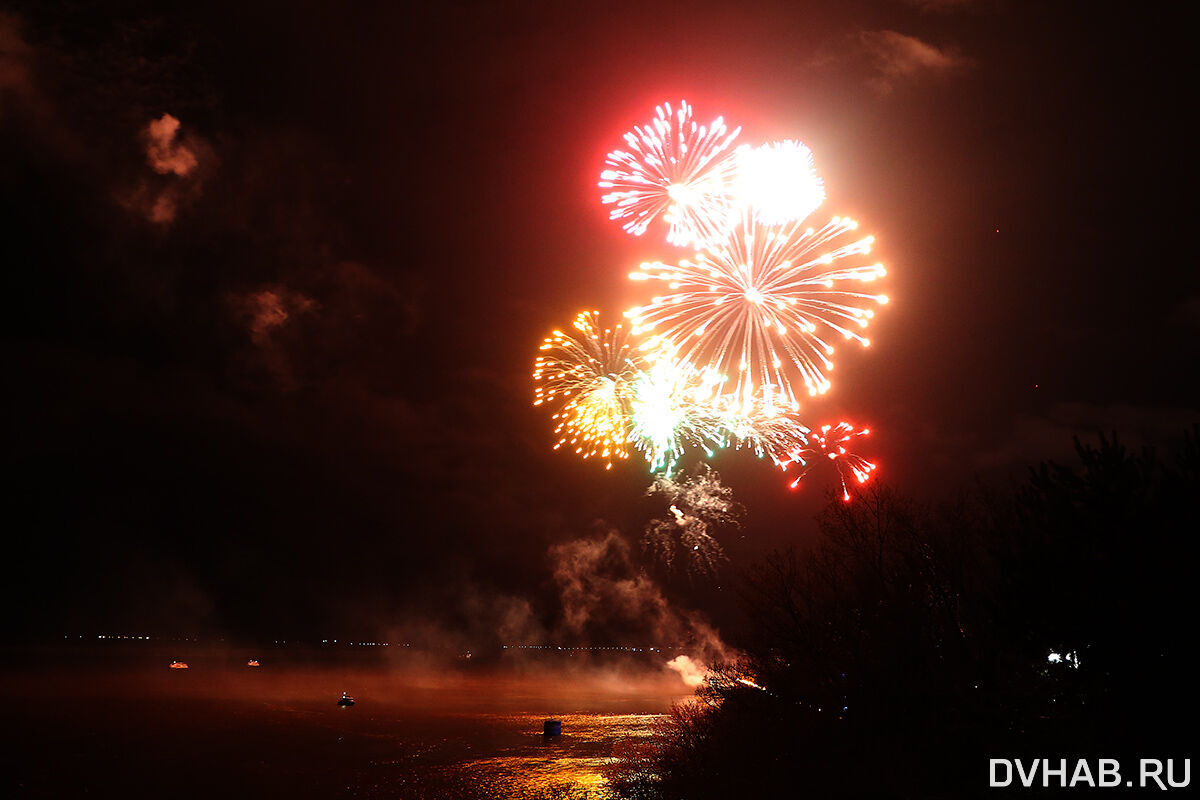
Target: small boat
253	663
179	665
346	701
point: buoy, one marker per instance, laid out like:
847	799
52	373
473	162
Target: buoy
552	727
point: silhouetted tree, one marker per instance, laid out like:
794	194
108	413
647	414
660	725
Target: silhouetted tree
910	644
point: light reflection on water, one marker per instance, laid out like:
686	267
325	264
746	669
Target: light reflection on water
577	759
132	727
506	756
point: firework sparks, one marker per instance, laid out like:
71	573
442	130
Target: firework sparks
701	494
829	443
615	399
729	676
669	412
593	371
673	168
665	535
778	181
763	305
697	503
762	429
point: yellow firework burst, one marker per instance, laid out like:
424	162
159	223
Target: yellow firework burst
591	372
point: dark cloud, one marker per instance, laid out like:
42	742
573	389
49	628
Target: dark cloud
264	312
941	6
1049	436
14	58
1187	313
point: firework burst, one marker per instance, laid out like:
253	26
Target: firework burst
765	432
673	168
592	371
670	412
778	181
763	306
829	443
743	328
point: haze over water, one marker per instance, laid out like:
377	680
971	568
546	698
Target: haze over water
114	720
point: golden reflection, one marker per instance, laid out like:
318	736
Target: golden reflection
574	764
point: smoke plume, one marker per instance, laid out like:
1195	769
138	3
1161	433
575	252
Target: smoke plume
605	597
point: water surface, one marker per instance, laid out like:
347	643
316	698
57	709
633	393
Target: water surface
94	724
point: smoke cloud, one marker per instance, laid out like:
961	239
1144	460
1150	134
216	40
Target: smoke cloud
178	158
886	59
268	309
265	313
690	671
164	152
601	598
896	57
604	595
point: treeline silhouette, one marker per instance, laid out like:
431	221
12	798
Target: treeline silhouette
914	643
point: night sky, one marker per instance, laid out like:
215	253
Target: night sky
268	372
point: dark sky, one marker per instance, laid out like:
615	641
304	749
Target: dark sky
273	375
